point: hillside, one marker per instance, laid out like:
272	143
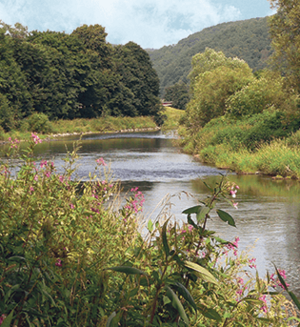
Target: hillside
247	39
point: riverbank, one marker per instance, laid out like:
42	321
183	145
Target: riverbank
62	128
258	145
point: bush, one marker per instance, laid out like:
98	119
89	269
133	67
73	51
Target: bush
255	97
39	123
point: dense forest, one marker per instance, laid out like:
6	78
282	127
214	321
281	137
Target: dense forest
77	75
248	40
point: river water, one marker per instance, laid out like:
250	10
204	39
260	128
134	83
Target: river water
268	215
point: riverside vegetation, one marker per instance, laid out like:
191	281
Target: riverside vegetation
74	255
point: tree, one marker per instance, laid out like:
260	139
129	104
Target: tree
134	66
285	33
178	94
214	79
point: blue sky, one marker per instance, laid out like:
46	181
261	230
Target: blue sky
150	23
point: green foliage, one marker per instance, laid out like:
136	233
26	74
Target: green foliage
260	94
6	114
284	30
248	40
39	123
214	78
178	94
70	255
74	76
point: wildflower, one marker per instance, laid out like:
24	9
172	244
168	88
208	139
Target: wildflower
264	307
2	318
233	193
58	263
72	206
251	263
43	163
101	162
235	205
31	189
36	177
134	189
61	178
190	227
35	138
47	174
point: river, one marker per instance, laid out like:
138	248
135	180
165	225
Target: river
268	215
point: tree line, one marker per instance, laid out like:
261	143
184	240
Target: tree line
77	75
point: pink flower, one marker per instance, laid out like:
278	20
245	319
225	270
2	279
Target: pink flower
233	193
134	189
2	318
61	178
235	205
101	162
58	263
35	138
47	174
264	307
43	163
31	189
72	206
190	227
36	177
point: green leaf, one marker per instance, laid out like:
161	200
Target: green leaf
127	270
177	304
195	209
226	217
205	274
191	221
210	313
202	214
164	238
7	321
181	289
150	225
253	301
112	320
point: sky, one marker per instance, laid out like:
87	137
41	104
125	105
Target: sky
149	23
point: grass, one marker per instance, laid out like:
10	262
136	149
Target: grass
173	116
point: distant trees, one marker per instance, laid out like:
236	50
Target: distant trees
72	75
178	94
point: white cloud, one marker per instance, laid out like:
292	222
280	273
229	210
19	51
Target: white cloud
150	23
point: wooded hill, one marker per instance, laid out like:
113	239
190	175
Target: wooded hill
247	39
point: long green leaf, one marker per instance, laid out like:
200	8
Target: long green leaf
127	270
164	238
205	274
7	321
177	304
210	313
182	290
226	217
291	294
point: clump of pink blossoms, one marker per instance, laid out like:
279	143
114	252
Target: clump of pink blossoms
35	138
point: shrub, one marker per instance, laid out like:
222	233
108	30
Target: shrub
39	123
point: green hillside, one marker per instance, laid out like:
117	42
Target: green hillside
247	39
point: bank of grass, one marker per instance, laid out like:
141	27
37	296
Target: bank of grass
172	118
266	143
95	125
